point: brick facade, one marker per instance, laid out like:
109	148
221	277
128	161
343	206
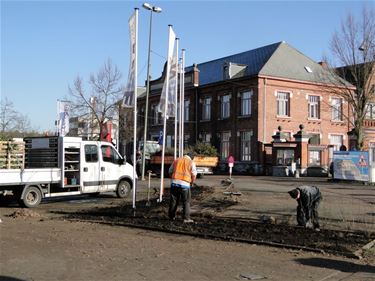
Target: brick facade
262	122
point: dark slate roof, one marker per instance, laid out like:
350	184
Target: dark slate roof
287	62
212	71
275	60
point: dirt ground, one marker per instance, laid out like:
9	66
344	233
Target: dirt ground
105	239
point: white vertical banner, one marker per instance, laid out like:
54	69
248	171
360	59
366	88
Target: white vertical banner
167	103
182	102
180	117
174	82
130	95
63	118
165	100
180	152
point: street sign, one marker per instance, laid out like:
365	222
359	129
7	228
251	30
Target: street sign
230	164
230	161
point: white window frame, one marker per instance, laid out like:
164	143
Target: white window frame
186	110
372	150
225	106
156	115
206	108
315	157
224	145
169	141
246	145
315	135
333	141
284	157
283	103
337	109
206	137
314	106
246	103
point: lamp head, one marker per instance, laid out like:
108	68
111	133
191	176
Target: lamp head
156	9
362	47
147	6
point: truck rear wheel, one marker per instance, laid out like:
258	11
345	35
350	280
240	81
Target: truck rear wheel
123	189
32	197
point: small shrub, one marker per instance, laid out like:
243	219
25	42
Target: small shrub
201	148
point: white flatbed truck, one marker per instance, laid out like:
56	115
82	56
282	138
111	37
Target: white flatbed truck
66	166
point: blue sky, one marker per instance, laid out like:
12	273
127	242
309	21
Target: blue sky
46	44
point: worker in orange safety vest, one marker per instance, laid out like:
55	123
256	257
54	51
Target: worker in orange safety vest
183	173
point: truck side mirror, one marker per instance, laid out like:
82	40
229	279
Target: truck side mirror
121	161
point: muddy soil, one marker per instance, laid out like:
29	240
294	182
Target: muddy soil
209	201
104	238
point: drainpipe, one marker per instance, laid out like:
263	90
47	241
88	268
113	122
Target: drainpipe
264	109
196	114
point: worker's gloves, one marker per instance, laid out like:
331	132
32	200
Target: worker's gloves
309	225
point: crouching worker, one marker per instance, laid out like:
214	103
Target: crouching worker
183	173
308	199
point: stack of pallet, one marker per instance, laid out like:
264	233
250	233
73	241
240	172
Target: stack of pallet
41	152
12	154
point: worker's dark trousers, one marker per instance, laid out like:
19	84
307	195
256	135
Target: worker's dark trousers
177	194
306	214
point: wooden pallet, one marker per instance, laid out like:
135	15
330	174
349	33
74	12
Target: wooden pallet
206	161
12	155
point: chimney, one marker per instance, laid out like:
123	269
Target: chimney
323	64
195	75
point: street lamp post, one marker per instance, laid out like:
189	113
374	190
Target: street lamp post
365	47
152	9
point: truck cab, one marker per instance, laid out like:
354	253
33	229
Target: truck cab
103	168
66	166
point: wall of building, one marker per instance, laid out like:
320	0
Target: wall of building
263	121
235	123
298	111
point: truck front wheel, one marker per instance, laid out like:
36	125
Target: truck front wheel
31	197
123	189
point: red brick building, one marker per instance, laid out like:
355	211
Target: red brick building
237	103
369	121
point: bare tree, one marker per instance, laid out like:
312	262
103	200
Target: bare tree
12	123
100	104
7	115
22	123
126	124
353	54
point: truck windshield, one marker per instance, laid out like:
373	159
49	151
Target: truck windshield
109	154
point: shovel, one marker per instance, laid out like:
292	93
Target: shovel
148	203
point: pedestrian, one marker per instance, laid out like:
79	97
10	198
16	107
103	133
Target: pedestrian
183	173
308	199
